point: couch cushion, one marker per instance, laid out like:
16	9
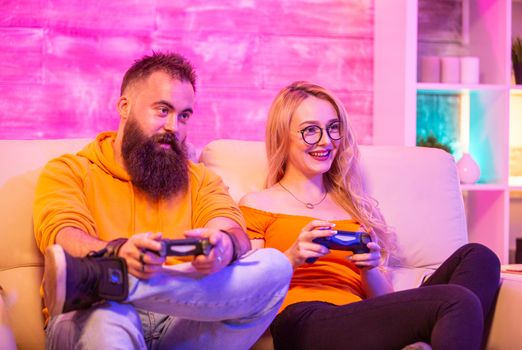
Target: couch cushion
20	261
241	164
419	194
24	305
21	161
7	340
417	189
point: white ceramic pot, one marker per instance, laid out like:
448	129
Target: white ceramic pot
469	171
469	70
450	70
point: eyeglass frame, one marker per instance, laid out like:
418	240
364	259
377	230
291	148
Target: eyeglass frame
327	128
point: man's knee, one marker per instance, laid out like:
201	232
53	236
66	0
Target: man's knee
113	313
271	266
270	271
96	327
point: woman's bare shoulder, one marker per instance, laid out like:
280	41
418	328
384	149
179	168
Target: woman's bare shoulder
260	199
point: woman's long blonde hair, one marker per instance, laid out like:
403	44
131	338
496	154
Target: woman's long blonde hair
344	180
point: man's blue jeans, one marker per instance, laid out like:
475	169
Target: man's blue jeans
179	309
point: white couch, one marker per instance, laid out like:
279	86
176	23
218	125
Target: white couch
418	191
419	194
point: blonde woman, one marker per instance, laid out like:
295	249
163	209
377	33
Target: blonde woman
345	301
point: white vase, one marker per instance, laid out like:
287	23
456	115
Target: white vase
469	70
429	69
450	69
469	171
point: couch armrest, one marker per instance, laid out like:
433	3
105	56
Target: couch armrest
7	340
505	328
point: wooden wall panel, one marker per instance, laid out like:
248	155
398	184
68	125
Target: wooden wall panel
61	62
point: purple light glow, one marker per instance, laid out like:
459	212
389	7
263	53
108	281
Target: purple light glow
61	62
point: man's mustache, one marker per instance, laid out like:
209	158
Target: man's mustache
167	138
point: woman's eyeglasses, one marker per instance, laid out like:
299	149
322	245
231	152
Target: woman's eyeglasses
312	134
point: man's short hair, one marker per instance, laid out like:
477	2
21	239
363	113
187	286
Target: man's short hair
177	66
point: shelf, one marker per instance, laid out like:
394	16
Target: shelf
511	271
482	187
515	192
474	118
515	183
459	87
512	268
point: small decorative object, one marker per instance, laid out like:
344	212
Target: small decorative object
515	162
516	58
518	251
450	69
469	70
429	69
432	141
469	171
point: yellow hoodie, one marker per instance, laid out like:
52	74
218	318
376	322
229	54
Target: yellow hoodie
92	192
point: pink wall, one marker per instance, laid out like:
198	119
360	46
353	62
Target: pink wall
61	62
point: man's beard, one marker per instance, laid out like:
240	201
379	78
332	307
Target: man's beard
159	172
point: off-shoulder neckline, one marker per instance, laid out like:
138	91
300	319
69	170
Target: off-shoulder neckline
351	220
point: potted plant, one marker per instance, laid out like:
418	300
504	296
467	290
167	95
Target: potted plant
516	57
432	141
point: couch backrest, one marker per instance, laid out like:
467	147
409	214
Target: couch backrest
417	188
20	261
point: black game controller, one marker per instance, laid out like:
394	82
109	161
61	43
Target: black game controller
344	240
184	247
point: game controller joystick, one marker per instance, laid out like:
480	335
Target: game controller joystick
184	247
344	240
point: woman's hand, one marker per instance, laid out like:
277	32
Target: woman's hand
374	282
303	247
367	261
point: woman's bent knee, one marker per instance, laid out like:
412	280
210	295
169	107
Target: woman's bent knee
464	301
482	252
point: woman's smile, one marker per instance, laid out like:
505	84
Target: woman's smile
320	155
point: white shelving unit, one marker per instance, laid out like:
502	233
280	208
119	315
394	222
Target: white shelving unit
487	29
515	180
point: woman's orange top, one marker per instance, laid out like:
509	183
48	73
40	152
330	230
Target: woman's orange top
332	278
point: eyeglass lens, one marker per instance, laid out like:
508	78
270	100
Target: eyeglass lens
312	134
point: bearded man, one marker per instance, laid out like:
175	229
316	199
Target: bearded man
100	218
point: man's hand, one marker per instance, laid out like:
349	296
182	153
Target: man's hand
141	263
220	255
